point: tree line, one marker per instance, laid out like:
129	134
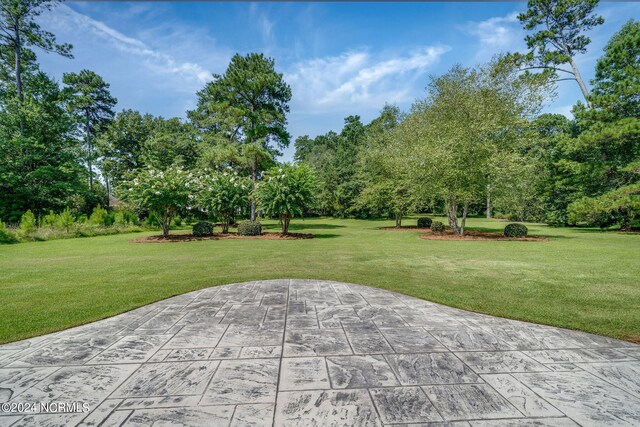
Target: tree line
475	144
64	146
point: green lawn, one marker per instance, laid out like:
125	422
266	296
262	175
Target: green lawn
580	279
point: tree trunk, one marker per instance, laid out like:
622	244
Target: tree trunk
453	215
398	219
87	131
583	87
18	68
465	209
166	223
626	224
254	178
488	201
286	219
225	223
106	183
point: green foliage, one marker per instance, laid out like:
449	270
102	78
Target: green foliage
249	100
516	230
20	30
331	157
161	193
617	81
28	224
462	135
66	220
249	228
177	221
437	227
172	142
243	115
382	175
562	22
64	226
286	192
424	222
222	193
6	236
92	105
620	206
152	220
600	163
202	228
125	217
100	216
39	159
121	145
50	220
560	26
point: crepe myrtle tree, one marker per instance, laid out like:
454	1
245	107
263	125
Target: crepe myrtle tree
223	193
161	192
285	193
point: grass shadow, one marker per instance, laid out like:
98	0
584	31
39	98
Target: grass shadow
599	231
325	235
315	226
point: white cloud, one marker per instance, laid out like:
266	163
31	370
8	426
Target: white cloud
359	80
495	35
157	61
265	25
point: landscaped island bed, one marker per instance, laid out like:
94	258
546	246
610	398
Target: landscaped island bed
175	238
427	234
580	279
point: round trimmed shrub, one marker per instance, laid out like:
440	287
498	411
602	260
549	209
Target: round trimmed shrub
249	228
202	228
424	222
516	230
437	227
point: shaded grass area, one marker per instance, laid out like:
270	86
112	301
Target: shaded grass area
585	281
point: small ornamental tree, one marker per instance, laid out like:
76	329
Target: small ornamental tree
286	192
222	193
161	193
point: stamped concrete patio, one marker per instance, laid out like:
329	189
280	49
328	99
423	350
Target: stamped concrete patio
312	353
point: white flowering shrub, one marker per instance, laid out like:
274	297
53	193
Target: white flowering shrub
222	193
285	192
162	193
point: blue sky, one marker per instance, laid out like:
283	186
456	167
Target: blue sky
339	58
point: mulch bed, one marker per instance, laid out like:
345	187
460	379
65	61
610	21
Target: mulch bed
174	238
468	235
